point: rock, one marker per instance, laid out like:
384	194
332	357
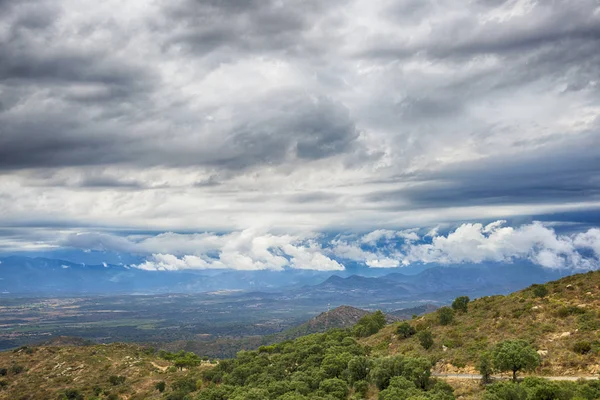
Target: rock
565	334
542	353
536	307
444	348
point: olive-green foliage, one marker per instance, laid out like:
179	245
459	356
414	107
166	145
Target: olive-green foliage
71	394
426	339
318	366
515	356
446	315
588	322
358	368
461	304
485	366
405	330
16	369
116	380
181	359
540	290
369	324
416	370
160	386
582	347
565	311
334	387
533	388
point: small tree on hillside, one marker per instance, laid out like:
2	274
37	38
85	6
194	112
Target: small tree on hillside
405	330
461	304
515	356
485	367
540	290
426	339
446	315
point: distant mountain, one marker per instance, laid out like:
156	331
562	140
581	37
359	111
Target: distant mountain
53	277
438	285
339	317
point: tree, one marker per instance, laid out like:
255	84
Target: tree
369	324
461	304
405	330
358	369
446	315
540	290
160	386
515	356
485	367
186	360
426	339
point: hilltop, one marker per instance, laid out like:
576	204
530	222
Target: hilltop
339	317
48	371
552	317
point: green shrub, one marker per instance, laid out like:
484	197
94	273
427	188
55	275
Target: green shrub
3	371
566	311
426	339
16	369
369	324
405	330
160	386
582	347
116	380
446	315
540	291
461	304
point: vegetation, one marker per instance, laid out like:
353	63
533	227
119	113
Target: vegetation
369	324
368	361
446	315
541	389
515	356
461	304
426	339
405	330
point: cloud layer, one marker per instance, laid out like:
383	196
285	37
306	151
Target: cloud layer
470	243
299	116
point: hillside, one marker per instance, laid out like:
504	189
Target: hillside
339	317
568	314
49	370
336	364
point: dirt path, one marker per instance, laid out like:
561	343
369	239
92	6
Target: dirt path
496	377
158	366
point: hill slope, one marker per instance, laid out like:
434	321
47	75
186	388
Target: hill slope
569	313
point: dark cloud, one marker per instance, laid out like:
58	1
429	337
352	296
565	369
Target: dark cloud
235	27
564	172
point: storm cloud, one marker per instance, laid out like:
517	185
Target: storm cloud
297	116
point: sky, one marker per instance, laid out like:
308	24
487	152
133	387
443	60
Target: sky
269	134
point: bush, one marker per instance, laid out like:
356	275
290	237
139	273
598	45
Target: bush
116	380
160	386
426	339
369	324
446	315
582	347
361	387
565	311
405	330
16	369
540	291
3	371
72	394
461	304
